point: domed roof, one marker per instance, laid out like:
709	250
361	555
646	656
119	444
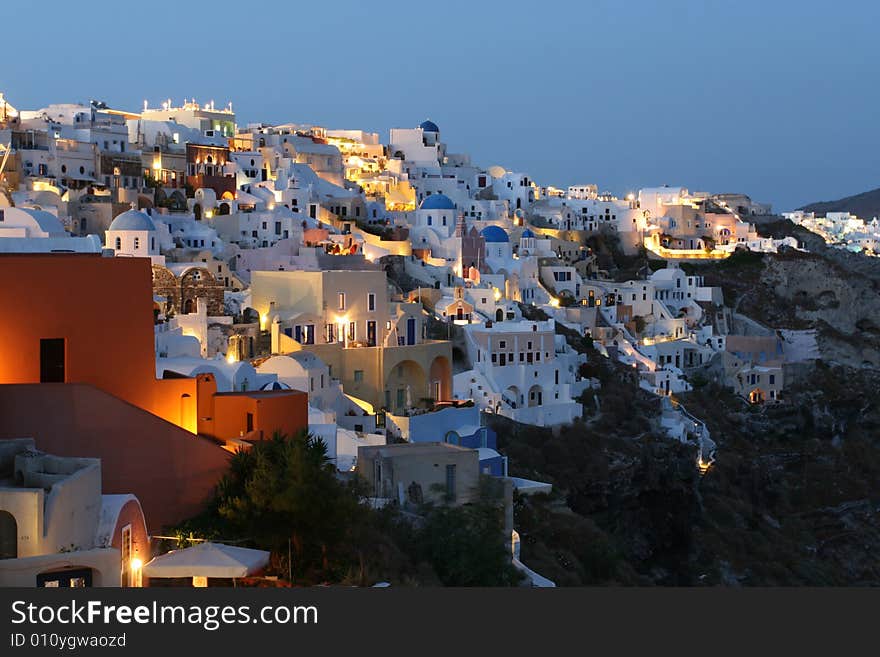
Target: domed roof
437	202
494	234
496	171
429	126
133	220
275	385
527	233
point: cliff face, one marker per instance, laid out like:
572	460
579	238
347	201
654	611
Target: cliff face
796	290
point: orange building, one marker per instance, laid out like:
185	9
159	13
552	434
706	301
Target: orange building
86	319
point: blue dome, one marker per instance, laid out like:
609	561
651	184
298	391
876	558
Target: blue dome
437	202
132	220
275	385
494	234
527	233
429	126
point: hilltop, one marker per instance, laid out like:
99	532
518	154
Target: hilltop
865	205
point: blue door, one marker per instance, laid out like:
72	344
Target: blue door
411	330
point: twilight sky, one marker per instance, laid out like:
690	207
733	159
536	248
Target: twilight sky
775	98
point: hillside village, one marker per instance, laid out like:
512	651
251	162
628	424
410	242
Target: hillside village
186	287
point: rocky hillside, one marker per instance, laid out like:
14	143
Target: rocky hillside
793	497
797	290
865	205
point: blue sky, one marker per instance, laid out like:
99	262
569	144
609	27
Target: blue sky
775	98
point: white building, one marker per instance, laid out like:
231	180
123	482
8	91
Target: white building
133	234
522	370
56	527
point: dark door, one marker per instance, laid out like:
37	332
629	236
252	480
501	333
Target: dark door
8	536
371	333
411	330
52	360
249	422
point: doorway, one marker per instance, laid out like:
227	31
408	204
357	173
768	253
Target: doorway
52	360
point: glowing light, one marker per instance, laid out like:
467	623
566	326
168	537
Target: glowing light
264	318
497	294
136	564
554	302
231	357
209	214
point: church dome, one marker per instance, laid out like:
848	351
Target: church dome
437	202
429	126
133	220
494	234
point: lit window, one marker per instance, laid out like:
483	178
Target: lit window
342	301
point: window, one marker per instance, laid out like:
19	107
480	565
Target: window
352	331
371	302
503	344
450	483
118	243
137	242
342	301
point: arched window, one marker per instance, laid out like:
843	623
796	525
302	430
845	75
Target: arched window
8	536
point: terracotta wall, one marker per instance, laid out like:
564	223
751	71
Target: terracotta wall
172	472
103	308
285	411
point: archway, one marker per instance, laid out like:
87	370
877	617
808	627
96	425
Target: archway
756	396
406	385
223	209
536	395
512	397
499	315
8	536
440	379
197	211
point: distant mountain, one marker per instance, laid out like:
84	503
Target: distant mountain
865	205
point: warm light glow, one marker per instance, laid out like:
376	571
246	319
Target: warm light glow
497	294
263	319
136	564
231	357
209	214
554	302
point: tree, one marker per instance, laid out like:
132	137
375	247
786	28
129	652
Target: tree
284	495
467	545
